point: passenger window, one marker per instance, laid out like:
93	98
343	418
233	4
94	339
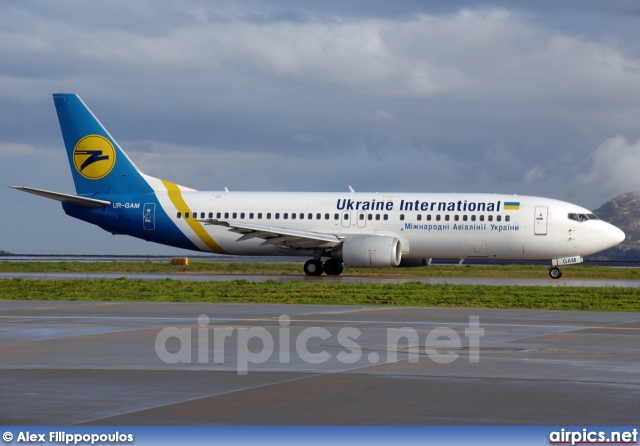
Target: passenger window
293	216
336	217
370	217
473	218
438	217
277	215
401	217
446	217
346	216
179	214
490	218
251	215
242	215
482	218
465	217
429	217
218	215
268	215
326	216
235	215
498	217
386	216
377	216
361	216
186	215
456	217
318	216
507	218
202	215
226	215
286	215
259	215
419	217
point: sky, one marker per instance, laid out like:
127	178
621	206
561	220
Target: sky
526	97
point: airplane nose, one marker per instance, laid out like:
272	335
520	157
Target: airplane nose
612	236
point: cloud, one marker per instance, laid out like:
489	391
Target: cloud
304	138
215	168
472	53
534	174
9	149
284	95
614	166
383	115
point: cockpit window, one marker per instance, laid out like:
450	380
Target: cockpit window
581	217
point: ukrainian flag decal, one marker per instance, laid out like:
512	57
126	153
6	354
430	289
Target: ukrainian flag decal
511	205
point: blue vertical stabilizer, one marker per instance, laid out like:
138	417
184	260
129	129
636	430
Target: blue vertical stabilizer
98	164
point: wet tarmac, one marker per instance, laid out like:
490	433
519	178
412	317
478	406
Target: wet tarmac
113	363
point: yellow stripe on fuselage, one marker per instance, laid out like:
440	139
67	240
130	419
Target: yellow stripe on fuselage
175	195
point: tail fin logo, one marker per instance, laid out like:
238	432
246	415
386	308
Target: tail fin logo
94	156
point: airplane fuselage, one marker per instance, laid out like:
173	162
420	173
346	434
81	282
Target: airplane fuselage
447	226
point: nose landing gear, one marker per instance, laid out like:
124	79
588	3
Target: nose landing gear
555	272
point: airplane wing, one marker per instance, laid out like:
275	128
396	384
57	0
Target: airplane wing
273	235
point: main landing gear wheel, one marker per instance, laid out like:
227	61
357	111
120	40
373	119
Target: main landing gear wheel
333	267
555	272
313	267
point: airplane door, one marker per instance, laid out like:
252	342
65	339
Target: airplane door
346	219
149	216
362	219
540	224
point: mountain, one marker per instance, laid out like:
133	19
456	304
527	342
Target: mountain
624	212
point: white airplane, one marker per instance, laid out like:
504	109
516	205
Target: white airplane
365	230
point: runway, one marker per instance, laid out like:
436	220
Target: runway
489	281
106	363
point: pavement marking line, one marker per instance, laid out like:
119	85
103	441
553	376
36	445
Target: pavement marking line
328	321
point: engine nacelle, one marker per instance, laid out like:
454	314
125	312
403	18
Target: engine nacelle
375	251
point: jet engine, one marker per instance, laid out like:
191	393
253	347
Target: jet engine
375	251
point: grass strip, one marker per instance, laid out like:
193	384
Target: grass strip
408	294
219	267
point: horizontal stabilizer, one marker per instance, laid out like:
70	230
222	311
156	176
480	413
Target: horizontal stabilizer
66	198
